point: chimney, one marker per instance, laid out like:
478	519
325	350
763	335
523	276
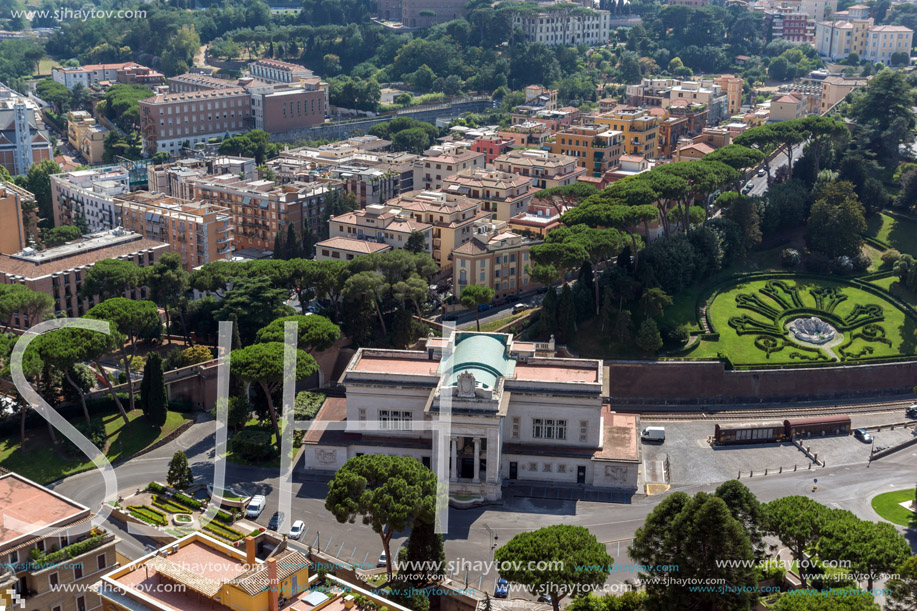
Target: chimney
273	584
250	551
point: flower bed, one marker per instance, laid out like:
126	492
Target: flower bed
148	514
224	532
169	505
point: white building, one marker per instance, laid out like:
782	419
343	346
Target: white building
23	140
568	26
515	412
90	194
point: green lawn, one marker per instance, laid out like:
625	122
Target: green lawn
887	506
42	462
899	330
898	232
45	65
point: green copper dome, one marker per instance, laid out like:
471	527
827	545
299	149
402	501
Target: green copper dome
484	355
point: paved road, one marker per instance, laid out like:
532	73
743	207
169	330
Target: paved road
760	182
469	538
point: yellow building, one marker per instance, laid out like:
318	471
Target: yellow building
198	573
639	130
452	215
13	232
595	146
86	136
732	85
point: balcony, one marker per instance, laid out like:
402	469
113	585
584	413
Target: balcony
39	561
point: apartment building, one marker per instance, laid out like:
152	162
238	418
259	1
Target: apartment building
731	85
491	147
86	136
541	217
546	169
60	271
367	183
343	248
790	25
277	109
381	223
15	222
171	121
565	24
276	71
89	194
857	33
835	88
595	147
494	257
526	133
452	216
261	208
22	141
177	178
91	74
883	41
639	130
502	194
788	107
198	231
200	573
442	161
51	554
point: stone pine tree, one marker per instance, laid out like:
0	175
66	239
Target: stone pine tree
389	493
700	537
902	589
179	475
558	554
475	295
154	400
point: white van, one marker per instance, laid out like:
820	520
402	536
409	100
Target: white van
653	433
255	506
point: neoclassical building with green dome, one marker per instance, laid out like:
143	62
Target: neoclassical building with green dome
484	411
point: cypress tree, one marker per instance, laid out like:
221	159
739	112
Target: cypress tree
154	399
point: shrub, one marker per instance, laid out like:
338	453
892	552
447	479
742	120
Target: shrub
789	257
890	257
157	488
861	262
169	505
148	514
677	336
223	531
252	444
307	405
184	499
842	264
818	263
94	432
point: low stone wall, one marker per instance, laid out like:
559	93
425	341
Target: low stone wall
710	383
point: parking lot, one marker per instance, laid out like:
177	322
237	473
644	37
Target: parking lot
693	461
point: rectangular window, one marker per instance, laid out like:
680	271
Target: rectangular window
53	579
362	414
515	427
100	560
395	420
549	428
583	430
78	570
81	603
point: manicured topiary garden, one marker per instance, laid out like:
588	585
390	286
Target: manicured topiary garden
786	319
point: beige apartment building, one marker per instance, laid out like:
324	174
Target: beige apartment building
494	257
639	130
452	216
177	178
60	271
86	136
381	223
546	169
261	208
14	225
596	147
198	231
502	194
732	86
441	162
39	522
345	249
835	88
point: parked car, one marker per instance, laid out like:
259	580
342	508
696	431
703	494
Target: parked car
277	521
520	307
747	188
485	306
297	530
255	506
450	317
762	172
512	298
863	435
502	589
911	412
383	559
500	301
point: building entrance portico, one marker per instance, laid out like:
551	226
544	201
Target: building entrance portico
469	459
